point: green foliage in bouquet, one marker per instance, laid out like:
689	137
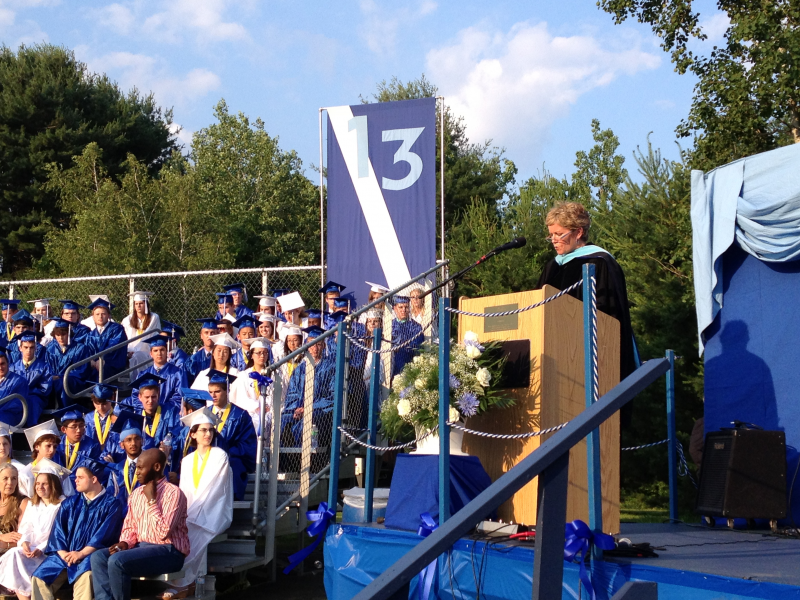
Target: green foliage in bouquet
474	387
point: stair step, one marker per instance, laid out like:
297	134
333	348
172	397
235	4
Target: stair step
233	548
221	563
242	504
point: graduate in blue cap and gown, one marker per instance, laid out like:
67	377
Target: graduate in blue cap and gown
332	290
162	422
63	352
201	360
404	328
294	407
11	383
32	365
174	378
90	520
10	307
225	307
71	312
22	321
105	335
247	330
357	329
99	422
175	354
238	294
127	430
237	436
360	367
75	446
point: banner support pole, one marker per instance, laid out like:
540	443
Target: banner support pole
321	215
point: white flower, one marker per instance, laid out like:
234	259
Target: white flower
417	360
419	384
454	415
483	376
470	336
473	351
403	408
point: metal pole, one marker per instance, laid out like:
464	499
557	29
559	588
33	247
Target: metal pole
372	424
274	460
131	289
321	207
551	512
11	291
441	172
264	283
444	410
590	386
672	444
338	399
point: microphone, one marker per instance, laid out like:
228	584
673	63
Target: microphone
515	243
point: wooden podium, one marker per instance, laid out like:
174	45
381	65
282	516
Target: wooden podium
554	394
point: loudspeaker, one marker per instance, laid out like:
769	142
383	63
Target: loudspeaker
743	475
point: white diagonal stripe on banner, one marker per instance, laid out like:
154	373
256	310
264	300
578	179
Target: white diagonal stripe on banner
373	205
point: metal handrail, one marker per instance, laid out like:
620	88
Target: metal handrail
551	462
99	355
24	401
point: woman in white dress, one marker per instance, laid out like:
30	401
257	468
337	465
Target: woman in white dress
6	456
18	564
207	483
224	347
141	320
246	393
43	439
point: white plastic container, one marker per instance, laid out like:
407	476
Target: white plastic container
353	508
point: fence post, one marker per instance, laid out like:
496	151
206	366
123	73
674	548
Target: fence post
444	409
264	282
672	444
372	423
131	289
10	291
590	386
336	435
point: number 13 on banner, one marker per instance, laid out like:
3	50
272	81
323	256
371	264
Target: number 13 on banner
403	154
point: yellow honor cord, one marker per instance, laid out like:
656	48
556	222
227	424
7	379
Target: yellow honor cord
128	482
198	475
224	417
154	427
71	458
102	432
290	366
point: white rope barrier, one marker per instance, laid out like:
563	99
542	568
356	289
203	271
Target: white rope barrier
519	310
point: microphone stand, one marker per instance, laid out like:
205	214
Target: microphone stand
482	259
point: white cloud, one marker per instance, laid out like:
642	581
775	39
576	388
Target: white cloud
510	87
117	17
202	17
184	135
380	28
716	26
665	104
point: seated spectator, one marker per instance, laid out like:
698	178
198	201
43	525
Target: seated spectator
75	446
62	353
201	359
224	346
173	377
86	522
122	475
43	440
12	507
18	564
175	355
99	422
7	456
294	407
11	383
404	331
154	537
238	293
247	331
417	305
207	482
105	335
32	365
162	422
237	434
10	306
140	321
245	391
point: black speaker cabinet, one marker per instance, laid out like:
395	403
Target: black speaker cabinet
743	475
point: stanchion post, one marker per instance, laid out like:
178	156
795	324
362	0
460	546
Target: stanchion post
338	401
374	403
444	410
590	386
672	444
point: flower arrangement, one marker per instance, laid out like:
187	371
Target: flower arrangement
474	378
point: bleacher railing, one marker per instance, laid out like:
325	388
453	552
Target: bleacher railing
24	402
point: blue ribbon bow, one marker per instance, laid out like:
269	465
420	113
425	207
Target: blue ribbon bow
260	379
579	539
319	520
427	525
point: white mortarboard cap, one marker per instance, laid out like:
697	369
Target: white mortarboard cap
291	301
292	330
40	303
45	465
141	296
93	297
265	316
37	431
197	417
377	287
259	342
265	300
374	314
5	430
224	339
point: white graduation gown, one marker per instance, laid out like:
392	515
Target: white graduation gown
201	381
243	395
209	508
141	350
26	481
16	568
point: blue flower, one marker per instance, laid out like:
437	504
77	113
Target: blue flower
454	382
406	391
468	404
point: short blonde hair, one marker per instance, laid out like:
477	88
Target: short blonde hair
571	215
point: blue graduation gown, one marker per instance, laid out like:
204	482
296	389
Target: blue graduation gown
238	361
323	397
40	384
58	362
13	383
111	445
80	333
16	354
197	362
169	391
178	358
402	332
88	448
79	524
238	439
113	334
170	422
116	481
241	311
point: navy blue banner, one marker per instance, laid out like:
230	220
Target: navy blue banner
381	193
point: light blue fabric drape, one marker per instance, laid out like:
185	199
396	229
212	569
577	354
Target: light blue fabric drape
754	200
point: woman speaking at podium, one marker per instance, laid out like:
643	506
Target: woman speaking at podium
568	224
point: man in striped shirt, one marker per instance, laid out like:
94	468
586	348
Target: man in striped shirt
154	537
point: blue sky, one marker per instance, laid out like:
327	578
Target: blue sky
528	75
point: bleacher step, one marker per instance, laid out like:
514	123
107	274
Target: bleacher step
233	548
225	563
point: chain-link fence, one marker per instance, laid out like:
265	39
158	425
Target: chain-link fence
177	297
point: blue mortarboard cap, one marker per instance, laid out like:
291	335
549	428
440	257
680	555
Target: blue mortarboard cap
62	323
70	305
337	317
224	298
279	292
6	302
245	321
97	468
215	376
331	286
103	391
74	412
236	287
401	299
207	323
157	340
128	423
314	332
22	315
100	303
29	336
314	313
147	380
197	399
176	330
341	303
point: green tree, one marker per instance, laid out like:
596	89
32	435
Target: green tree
51	108
747	96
